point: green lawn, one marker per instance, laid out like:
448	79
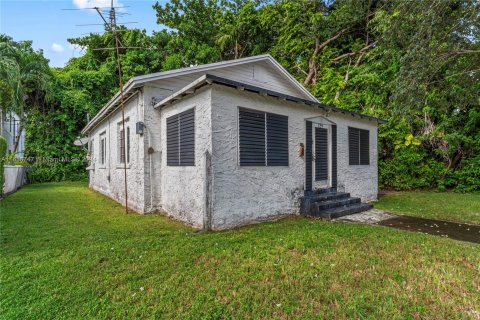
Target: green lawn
70	253
441	205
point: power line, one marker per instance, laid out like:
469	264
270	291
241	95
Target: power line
95	8
100	49
101	24
111	25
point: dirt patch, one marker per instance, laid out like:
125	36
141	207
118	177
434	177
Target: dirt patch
458	231
446	229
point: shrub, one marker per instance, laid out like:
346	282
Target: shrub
56	171
411	168
468	176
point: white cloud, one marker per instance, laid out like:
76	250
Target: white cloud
57	47
82	4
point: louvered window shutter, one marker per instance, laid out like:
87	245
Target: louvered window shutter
187	138
181	139
364	147
358	146
277	140
263	138
252	138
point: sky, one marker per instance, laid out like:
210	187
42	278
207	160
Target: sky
49	26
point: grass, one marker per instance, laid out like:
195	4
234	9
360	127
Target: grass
70	253
440	205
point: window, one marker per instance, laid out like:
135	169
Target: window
103	148
91	153
128	144
358	146
181	139
263	138
121	145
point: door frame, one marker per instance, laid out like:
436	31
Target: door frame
310	125
318	184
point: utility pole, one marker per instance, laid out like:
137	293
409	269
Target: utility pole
111	25
113	28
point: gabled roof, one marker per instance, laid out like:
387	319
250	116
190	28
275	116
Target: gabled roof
139	81
211	79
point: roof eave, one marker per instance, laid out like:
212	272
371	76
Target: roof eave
209	79
131	84
139	81
111	105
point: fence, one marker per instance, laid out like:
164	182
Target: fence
14	178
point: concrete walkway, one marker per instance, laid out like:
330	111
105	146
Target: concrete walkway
371	216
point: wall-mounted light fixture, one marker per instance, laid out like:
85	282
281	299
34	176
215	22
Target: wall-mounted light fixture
140	128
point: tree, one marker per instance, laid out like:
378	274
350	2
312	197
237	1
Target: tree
413	63
208	31
438	79
24	79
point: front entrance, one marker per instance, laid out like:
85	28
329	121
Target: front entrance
321	170
320	154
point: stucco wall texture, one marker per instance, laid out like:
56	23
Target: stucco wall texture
238	195
109	177
245	194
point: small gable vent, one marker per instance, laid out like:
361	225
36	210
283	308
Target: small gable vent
259	74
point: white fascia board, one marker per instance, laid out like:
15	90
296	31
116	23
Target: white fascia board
202	67
186	89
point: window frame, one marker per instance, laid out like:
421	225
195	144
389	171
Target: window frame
267	147
91	151
123	158
362	143
128	145
102	149
186	153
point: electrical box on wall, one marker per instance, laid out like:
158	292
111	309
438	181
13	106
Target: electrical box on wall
140	128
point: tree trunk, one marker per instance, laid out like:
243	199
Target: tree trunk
312	65
361	51
17	138
453	163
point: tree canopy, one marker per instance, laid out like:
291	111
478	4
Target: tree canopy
413	63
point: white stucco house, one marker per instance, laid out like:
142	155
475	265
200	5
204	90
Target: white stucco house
231	143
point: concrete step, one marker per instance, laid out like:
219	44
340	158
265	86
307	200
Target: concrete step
306	202
319	191
329	196
338	212
340	202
